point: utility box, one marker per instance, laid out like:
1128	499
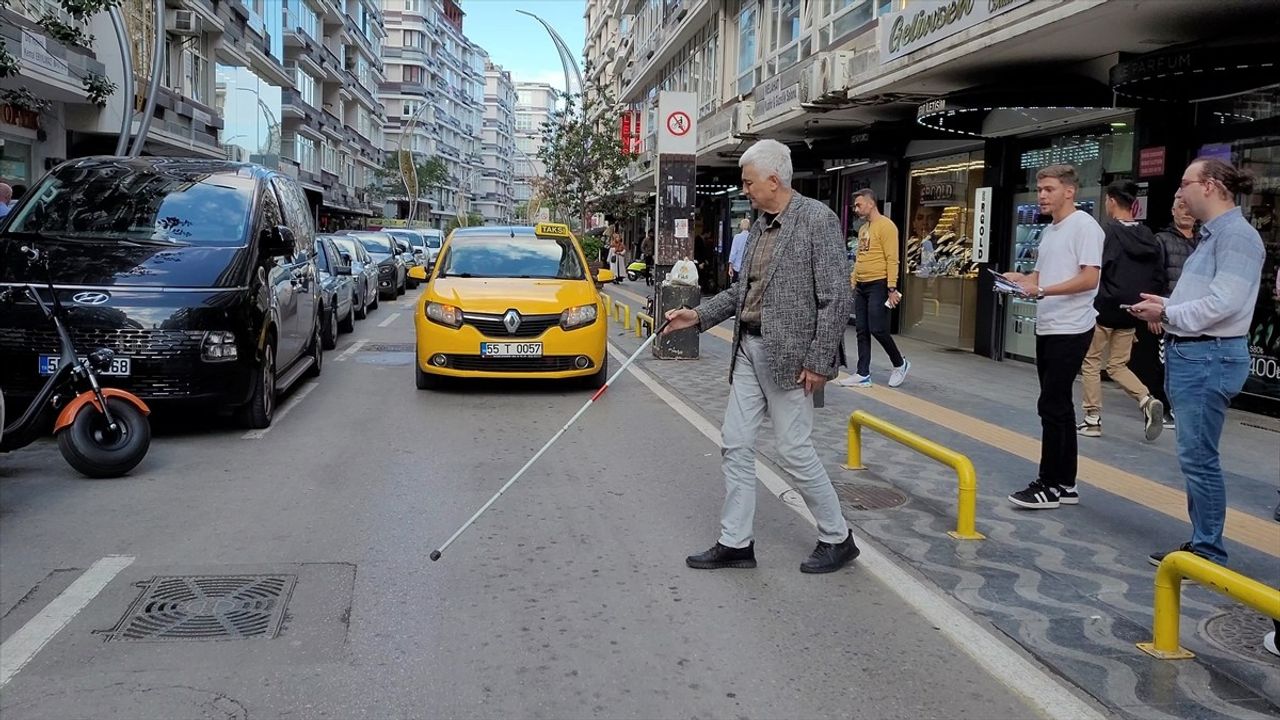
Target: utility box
682	345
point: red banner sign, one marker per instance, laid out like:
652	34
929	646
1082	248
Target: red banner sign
1151	162
631	133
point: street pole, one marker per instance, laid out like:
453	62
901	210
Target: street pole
153	91
126	83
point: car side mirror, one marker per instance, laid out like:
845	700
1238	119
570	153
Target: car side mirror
418	272
342	269
346	257
279	240
605	276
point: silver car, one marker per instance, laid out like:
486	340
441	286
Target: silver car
364	271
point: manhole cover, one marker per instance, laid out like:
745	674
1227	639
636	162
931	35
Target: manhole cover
388	347
869	497
209	607
1239	631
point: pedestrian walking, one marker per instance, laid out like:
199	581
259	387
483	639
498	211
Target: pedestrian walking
1176	243
6	198
1205	322
1131	265
791	308
737	247
1065	282
875	289
617	256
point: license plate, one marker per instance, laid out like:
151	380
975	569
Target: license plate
120	366
511	349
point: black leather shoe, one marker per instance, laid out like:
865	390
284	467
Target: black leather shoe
720	556
830	558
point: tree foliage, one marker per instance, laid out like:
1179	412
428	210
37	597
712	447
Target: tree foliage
388	182
471	220
582	150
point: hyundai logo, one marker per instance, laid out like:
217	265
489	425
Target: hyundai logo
512	321
90	298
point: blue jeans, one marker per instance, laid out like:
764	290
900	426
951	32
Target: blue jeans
1201	378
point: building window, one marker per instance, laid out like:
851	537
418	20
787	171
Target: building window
413	6
415	39
306	87
841	17
330	159
748	55
784	35
413	74
304	150
348	171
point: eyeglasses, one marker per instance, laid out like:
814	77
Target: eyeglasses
1185	183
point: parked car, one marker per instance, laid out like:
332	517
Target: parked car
391	270
417	241
434	240
337	309
364	272
411	260
511	302
198	274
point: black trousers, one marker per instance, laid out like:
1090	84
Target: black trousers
1058	361
872	319
1145	362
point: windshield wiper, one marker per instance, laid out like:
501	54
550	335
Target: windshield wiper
458	275
99	238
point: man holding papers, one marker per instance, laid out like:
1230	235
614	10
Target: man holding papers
1065	282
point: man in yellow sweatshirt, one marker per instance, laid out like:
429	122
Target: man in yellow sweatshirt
875	289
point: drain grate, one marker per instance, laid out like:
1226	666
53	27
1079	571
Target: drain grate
869	497
388	347
207	607
1239	631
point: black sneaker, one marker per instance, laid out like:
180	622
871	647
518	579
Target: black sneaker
1156	558
721	556
1037	496
829	557
1068	496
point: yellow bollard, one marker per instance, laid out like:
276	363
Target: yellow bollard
622	311
641	321
1168	600
966	476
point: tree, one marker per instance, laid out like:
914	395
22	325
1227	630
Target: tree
582	150
388	181
471	220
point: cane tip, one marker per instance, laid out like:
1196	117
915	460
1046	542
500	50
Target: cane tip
435	555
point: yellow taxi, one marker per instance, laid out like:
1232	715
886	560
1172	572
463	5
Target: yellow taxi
511	302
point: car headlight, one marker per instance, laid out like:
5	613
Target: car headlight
218	346
444	314
576	317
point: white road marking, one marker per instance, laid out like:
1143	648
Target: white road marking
302	392
390	319
23	645
352	350
1036	687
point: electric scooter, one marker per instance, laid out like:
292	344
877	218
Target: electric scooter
102	432
639	269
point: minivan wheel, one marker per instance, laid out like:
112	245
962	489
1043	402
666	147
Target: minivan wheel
262	403
329	328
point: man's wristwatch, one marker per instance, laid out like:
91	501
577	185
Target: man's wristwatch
1039	293
1164	316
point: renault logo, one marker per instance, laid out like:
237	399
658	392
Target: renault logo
90	298
512	321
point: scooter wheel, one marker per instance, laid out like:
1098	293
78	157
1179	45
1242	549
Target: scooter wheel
632	276
94	449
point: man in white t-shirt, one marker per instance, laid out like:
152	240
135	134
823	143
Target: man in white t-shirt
1065	282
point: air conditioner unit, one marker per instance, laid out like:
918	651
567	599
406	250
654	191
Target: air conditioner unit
183	22
829	74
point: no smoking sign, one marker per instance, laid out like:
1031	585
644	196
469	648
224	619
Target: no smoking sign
678	123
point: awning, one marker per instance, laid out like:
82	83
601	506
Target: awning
1019	108
1200	72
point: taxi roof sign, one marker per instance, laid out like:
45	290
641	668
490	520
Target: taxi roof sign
551	230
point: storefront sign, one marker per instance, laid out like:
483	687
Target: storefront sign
677	130
982	224
933	107
715	128
907	31
35	51
630	132
1151	162
773	98
942	192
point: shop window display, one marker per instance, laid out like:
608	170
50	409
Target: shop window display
940	283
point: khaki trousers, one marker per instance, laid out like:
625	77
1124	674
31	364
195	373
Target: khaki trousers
1115	345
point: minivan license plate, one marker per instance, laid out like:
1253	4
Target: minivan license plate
511	350
120	366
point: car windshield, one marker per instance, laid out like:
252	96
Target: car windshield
378	244
348	246
322	257
504	256
143	204
433	242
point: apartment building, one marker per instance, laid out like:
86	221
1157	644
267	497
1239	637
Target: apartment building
534	104
434	92
494	198
290	85
928	102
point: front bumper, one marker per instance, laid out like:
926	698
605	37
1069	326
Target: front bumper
461	349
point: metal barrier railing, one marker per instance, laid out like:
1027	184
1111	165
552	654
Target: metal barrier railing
1168	601
622	311
966	476
641	321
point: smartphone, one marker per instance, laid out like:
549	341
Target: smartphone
1124	306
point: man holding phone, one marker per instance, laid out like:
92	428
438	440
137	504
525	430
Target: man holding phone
1065	282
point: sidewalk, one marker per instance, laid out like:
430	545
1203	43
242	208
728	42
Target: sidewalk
1072	585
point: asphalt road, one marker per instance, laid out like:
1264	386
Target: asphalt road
569	598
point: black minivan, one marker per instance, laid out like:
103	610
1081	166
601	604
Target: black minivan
199	274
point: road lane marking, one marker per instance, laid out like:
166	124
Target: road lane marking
1036	687
1242	527
352	350
23	645
390	319
302	392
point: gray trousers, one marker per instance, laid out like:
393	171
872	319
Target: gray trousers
752	394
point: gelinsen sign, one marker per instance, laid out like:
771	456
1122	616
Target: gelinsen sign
927	22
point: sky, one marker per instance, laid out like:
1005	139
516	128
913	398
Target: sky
518	42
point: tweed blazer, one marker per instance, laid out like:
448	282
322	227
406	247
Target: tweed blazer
807	297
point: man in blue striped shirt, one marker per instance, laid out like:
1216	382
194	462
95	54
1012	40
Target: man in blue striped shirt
1206	320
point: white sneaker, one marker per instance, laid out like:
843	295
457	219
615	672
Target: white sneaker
1153	413
1269	643
899	374
861	381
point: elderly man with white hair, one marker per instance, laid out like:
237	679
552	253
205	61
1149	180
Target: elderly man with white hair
791	305
6	199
